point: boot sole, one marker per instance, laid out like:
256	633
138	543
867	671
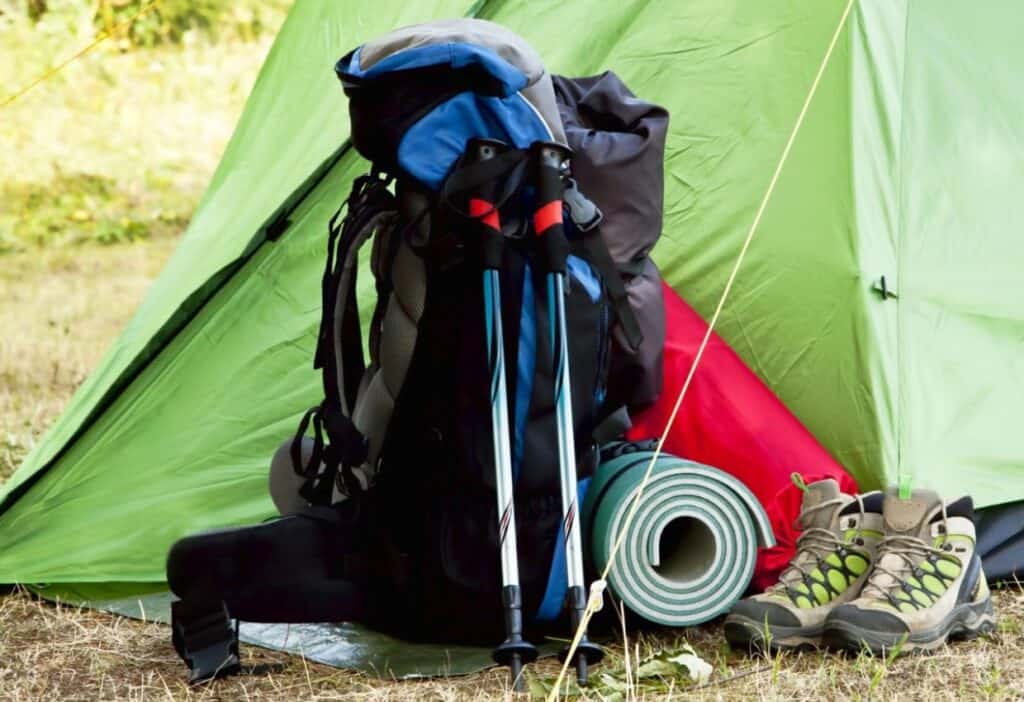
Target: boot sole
745	633
967	621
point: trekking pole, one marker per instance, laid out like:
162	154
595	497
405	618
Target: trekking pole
514	652
547	223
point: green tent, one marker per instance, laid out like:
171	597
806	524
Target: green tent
907	168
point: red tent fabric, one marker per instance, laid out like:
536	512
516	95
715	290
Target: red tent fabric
732	421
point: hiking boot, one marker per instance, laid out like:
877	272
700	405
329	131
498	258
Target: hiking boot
926	585
834	555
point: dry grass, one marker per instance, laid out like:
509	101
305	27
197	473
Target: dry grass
49	652
117	151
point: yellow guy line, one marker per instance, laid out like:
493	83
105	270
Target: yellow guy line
103	36
595	601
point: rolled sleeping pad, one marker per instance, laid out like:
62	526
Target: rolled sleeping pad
690	551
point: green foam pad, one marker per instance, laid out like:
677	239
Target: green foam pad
690	551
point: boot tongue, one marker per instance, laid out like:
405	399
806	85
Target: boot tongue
814	495
909	516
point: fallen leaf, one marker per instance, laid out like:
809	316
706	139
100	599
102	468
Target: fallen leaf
700	670
656	668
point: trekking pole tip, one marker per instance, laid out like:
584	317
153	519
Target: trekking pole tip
581	670
586	652
515	671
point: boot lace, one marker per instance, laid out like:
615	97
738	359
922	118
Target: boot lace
812	547
897	557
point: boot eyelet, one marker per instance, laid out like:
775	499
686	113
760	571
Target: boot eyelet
859	541
947	547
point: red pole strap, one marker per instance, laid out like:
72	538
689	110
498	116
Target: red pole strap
485	212
547	216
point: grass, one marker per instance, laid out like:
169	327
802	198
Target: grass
100	171
52	652
117	147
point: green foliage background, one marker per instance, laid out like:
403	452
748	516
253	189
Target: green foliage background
169	21
119	144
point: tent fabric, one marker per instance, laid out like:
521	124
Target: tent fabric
944	181
906	167
731	420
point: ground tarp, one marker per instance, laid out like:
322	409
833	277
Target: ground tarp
342	645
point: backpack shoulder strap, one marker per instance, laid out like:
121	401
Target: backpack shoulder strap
339	350
401	278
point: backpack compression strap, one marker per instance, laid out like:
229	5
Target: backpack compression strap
586	217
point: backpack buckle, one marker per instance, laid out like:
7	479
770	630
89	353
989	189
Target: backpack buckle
583	212
205	639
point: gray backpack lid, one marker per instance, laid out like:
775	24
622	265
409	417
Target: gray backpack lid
420	93
480	33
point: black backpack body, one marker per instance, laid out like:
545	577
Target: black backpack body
403	438
436	473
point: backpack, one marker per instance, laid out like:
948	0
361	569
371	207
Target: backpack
405	433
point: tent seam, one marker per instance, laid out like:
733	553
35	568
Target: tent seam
900	271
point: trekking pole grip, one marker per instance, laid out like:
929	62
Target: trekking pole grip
548	157
482	207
